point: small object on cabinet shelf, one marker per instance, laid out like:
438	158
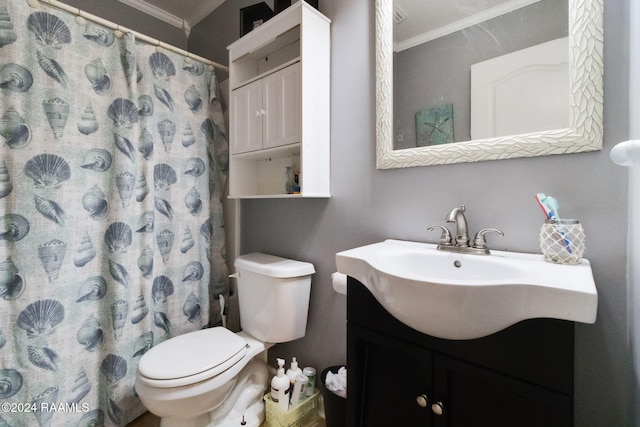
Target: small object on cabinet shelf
253	16
288	173
434	126
296	182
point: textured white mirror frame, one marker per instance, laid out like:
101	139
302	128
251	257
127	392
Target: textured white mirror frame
586	87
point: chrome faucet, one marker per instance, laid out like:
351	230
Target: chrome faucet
461	242
456	216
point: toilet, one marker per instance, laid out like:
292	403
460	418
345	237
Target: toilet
214	377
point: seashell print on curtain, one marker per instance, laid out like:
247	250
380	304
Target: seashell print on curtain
113	157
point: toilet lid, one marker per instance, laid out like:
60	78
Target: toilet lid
192	353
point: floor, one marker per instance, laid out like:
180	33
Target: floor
149	420
145	420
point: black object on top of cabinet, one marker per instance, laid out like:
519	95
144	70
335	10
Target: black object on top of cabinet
254	15
280	5
521	376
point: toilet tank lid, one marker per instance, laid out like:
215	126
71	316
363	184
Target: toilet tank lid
273	266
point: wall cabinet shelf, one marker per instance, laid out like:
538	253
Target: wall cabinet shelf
279	107
522	376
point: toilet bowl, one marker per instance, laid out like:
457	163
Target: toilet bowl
214	377
194	394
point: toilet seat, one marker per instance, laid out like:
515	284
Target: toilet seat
192	357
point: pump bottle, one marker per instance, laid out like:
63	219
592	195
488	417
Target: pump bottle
293	371
280	387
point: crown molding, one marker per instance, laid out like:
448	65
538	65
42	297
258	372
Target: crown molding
155	11
469	21
186	23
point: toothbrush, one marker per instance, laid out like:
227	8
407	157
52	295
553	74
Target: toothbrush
541	199
550	207
552	203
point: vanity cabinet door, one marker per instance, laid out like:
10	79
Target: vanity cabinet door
520	377
388	379
282	106
474	396
246	118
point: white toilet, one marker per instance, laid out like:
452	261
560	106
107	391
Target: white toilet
214	377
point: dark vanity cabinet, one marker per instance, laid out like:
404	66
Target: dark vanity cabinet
397	376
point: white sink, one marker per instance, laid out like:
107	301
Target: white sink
462	296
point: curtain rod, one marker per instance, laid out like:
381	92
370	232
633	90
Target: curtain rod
116	27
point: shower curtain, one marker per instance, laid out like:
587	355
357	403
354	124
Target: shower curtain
112	163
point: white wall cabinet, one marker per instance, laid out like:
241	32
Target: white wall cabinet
279	106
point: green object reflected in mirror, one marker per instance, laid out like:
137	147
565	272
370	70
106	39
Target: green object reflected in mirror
434	126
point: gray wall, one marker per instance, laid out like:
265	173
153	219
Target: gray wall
211	36
369	205
133	19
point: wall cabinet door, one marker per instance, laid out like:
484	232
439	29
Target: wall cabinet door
266	113
246	118
282	105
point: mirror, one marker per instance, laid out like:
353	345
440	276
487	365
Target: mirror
580	131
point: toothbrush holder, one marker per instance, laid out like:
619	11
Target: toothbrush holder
562	241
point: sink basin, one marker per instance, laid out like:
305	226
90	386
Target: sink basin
462	296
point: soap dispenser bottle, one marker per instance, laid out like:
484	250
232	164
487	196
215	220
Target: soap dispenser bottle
293	373
280	387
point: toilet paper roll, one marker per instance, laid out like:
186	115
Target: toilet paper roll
339	282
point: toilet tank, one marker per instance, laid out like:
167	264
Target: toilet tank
273	295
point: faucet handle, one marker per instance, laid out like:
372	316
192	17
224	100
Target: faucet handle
445	237
480	242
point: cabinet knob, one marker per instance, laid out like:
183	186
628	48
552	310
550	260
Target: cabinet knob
438	408
422	400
